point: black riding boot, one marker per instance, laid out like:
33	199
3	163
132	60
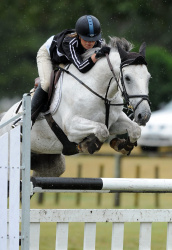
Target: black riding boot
38	102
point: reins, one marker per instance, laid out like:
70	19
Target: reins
91	90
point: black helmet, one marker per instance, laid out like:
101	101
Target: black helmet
88	28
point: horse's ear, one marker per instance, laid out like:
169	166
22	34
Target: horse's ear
142	49
123	54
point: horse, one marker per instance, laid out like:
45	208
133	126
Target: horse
91	108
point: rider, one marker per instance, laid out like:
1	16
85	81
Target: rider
67	47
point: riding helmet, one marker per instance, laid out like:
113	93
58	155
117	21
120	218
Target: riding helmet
88	28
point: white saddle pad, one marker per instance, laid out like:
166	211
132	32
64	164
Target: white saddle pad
56	98
55	102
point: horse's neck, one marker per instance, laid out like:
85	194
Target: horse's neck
102	75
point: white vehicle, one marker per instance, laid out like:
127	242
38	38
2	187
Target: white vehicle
158	131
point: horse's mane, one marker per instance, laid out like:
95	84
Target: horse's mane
126	45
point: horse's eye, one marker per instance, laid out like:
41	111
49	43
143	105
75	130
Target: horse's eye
127	78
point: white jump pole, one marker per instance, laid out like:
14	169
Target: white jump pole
104	185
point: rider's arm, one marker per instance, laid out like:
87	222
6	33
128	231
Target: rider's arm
93	58
70	47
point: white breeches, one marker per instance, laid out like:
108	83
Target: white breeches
45	67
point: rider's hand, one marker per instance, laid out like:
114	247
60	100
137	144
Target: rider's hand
102	52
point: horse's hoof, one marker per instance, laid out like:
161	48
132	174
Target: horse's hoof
90	144
116	145
94	145
123	146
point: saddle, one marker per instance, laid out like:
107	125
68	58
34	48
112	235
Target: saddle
55	75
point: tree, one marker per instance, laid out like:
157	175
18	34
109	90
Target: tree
26	25
160	66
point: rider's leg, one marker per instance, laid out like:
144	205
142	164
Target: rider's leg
39	99
41	94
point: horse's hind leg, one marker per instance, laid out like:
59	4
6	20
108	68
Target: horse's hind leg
47	165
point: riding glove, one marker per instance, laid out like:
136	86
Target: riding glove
102	52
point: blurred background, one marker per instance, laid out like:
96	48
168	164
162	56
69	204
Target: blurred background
26	25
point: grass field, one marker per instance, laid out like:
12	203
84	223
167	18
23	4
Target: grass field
91	166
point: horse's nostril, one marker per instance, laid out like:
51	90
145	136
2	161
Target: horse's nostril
139	116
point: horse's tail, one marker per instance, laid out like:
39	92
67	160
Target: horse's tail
1	115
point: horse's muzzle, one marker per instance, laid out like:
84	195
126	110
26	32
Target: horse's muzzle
141	118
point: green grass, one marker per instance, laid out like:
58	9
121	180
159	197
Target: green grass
91	166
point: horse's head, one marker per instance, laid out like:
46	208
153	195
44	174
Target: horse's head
135	81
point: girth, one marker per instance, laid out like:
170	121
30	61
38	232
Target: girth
69	148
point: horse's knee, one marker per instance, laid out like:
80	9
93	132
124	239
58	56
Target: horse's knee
135	133
101	132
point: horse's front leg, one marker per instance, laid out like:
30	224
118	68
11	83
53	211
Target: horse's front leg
121	126
88	134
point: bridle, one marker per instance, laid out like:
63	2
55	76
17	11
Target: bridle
126	97
136	61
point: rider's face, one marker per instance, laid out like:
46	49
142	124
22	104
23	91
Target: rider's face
86	44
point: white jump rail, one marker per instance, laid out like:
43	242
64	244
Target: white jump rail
117	217
10	166
103	185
